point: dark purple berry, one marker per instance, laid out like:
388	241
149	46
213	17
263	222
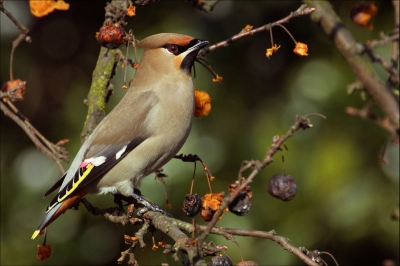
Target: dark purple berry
220	261
241	204
191	204
282	187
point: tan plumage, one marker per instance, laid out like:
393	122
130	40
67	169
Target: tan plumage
142	133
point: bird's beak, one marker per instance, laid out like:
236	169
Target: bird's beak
199	44
191	53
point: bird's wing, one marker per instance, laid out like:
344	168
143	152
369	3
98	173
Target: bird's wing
56	185
106	147
94	168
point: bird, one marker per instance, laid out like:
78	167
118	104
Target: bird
142	133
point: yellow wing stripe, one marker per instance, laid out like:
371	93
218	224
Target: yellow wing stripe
89	168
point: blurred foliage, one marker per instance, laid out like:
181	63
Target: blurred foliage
345	196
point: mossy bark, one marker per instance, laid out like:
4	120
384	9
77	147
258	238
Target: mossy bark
96	100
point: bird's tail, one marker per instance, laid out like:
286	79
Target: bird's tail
56	211
50	216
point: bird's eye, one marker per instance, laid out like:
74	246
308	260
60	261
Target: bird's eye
172	48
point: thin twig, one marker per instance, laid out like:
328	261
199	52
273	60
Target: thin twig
33	133
12	95
288	32
54	152
302	10
282	241
394	59
349	48
367	113
392	38
172	227
301	123
394	74
22	37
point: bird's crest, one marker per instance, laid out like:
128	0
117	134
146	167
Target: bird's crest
158	40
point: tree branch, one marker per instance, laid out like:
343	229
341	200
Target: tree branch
96	100
53	151
277	142
22	37
302	10
103	72
350	49
394	60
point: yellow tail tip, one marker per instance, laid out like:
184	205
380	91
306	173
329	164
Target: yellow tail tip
35	234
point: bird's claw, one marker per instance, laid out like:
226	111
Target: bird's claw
147	206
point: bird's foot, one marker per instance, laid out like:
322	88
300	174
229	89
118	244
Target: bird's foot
147	206
118	198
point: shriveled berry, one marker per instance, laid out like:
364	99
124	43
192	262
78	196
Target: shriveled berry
282	187
111	35
15	89
210	204
220	260
362	14
241	204
43	252
191	204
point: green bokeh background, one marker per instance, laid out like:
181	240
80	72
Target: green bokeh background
345	196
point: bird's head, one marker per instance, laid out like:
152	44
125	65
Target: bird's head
171	50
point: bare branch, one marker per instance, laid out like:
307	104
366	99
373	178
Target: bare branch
22	37
350	49
54	152
392	70
302	10
103	72
367	113
97	95
394	60
165	224
392	38
301	123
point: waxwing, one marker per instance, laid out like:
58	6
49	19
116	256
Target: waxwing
142	133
